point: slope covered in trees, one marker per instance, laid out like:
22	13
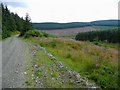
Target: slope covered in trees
105	23
51	26
12	22
105	35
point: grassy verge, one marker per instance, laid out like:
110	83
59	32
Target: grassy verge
43	71
2	37
28	70
48	73
97	63
15	33
107	45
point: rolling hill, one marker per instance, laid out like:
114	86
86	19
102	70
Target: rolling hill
52	26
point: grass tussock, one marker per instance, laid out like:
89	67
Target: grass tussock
97	63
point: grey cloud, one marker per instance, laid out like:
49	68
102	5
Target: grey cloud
16	4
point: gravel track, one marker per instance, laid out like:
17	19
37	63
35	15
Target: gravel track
15	54
13	59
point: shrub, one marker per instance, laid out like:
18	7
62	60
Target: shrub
33	33
45	34
5	34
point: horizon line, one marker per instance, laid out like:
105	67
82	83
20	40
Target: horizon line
78	21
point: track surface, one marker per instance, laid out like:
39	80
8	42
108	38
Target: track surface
13	59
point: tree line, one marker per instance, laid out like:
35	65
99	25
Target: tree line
52	25
11	22
104	35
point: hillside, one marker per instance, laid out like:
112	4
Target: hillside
70	32
105	23
57	59
52	26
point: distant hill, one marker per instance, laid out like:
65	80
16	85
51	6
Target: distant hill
52	26
105	23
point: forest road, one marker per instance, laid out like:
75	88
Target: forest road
13	62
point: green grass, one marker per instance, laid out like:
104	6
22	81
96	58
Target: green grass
29	81
105	27
11	34
15	33
44	64
107	45
94	62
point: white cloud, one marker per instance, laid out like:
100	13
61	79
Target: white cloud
12	0
69	10
20	11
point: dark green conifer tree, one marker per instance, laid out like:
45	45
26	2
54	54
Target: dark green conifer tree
27	25
12	22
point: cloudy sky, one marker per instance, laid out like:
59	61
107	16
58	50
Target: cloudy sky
65	10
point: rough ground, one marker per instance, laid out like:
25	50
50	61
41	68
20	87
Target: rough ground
51	73
22	68
13	63
70	31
